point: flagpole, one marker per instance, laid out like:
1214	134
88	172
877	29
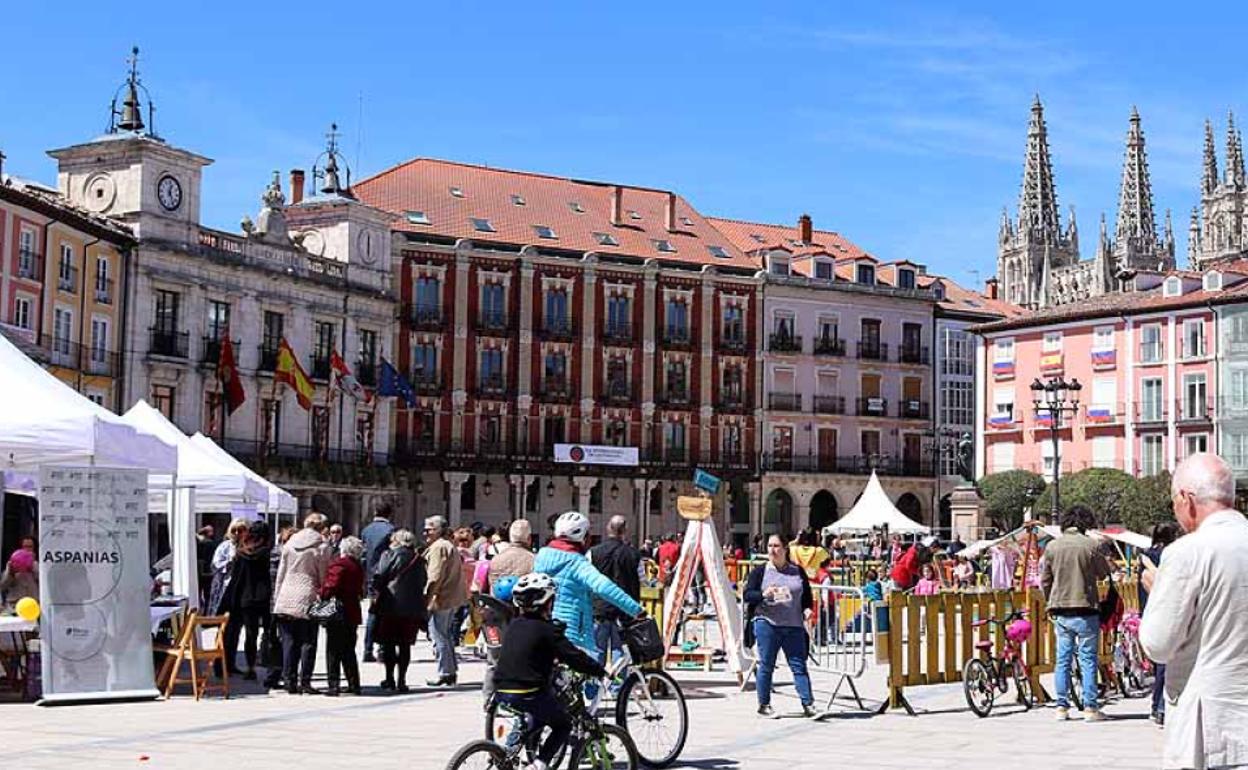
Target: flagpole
343	343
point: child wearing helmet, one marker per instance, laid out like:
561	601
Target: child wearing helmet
532	646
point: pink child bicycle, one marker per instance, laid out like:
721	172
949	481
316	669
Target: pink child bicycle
985	676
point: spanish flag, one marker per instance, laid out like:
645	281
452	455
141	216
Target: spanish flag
290	372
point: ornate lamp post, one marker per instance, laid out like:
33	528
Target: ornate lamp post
1055	398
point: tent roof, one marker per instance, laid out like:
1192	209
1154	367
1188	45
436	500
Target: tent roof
217	485
873	511
280	501
44	421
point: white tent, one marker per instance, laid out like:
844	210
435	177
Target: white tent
873	511
280	501
44	421
218	486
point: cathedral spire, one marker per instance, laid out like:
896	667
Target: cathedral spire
1234	153
1193	241
1209	177
1135	197
1037	205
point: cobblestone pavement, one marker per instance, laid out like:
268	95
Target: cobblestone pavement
422	730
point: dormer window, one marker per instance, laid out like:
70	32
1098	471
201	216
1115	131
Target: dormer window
939	291
1213	281
606	239
866	275
457	192
825	270
758	238
718	252
663	245
1173	287
545	231
416	217
482	225
517	200
905	278
779	266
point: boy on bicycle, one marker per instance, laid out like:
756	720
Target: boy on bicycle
531	647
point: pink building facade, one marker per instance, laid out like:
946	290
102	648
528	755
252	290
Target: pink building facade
1147	363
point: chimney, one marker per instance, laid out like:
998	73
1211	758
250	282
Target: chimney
671	212
805	229
296	185
990	288
617	205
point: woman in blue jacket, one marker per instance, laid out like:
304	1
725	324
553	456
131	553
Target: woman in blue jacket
578	581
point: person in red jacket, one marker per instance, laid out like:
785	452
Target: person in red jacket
669	554
907	569
345	581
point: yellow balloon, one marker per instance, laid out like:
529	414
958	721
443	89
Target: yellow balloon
28	609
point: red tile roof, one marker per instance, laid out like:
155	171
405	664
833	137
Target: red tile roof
959	299
753	236
424	185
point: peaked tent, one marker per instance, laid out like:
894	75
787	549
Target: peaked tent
873	511
280	501
43	421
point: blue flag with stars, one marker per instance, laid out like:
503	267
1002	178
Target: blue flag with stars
392	383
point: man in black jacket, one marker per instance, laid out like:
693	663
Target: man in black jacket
618	560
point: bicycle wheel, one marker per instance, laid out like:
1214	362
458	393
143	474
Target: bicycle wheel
1076	685
480	755
609	749
1022	684
505	728
651	708
977	683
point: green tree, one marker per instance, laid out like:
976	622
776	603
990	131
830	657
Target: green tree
1147	502
1100	489
1008	494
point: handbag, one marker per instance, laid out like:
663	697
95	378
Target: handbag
326	611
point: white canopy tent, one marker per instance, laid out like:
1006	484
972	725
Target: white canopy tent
280	501
43	421
875	511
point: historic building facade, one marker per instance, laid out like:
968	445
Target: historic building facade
323	285
538	311
1219	230
62	274
1038	260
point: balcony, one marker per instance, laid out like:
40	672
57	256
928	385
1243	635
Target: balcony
829	346
493	386
733	403
617	333
1104	415
425	316
873	351
1194	348
829	405
916	354
677	336
104	291
29	265
784	402
260	453
872	407
167	343
555	391
429	384
913	409
83	358
1005	421
492	322
268	357
1150	413
1193	410
1151	353
319	370
784	343
366	372
210	349
733	344
67	278
858	465
556	330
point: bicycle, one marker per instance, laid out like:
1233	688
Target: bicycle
593	744
649	706
1132	668
985	676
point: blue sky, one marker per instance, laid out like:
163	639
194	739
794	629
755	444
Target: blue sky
901	125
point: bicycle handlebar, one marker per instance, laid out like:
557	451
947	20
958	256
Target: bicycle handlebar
1015	615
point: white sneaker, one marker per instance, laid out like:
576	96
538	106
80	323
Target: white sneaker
1093	715
1062	713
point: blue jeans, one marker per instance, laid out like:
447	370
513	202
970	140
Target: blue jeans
1076	635
442	630
607	637
1159	688
770	640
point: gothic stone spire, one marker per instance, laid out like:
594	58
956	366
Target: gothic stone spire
1209	177
1234	154
1135	197
1037	205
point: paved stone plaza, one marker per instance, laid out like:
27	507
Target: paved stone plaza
422	729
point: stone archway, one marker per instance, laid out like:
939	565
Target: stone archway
778	513
823	510
909	504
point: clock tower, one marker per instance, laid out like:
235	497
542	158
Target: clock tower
133	175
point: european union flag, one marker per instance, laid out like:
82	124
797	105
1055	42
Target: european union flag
391	383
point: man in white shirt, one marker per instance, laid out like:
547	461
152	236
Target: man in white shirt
1196	621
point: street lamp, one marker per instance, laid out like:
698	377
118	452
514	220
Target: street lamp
550	488
1054	399
487	487
615	491
671	493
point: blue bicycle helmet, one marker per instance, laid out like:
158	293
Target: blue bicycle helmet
503	587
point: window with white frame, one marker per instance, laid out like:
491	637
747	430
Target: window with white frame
957	403
1152	455
62	330
778	265
824	269
1194	443
674	440
1239	388
1048	461
958	356
1003	349
21	313
1104	398
1150	344
1152	404
1103	338
1195	396
1052	342
1235	449
1104	452
1003	402
1239	327
1193	338
99	339
1002	457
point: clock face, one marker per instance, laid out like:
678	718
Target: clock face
169	192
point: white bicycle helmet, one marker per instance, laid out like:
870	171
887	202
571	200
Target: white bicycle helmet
573	526
532	591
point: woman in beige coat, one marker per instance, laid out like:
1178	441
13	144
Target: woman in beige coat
304	563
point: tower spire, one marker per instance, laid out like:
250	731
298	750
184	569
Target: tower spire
1209	177
1037	205
1234	154
1193	241
1135	196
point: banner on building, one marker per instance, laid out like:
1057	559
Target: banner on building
94	584
591	454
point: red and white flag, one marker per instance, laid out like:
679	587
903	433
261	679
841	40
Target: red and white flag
345	380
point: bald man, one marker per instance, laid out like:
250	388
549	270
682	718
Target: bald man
1196	621
618	560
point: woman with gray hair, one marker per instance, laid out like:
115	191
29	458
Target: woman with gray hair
345	582
300	575
399	585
